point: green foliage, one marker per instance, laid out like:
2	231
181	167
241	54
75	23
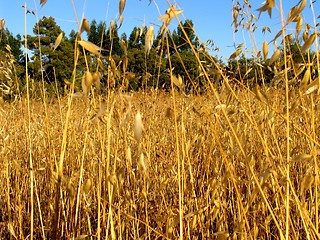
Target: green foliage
108	38
181	41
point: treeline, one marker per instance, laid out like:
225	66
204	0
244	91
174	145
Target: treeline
124	62
123	57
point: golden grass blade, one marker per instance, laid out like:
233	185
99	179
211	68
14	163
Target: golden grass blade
85	26
11	230
305	36
58	41
308	42
141	30
269	4
87	80
265	50
124	46
120	20
89	46
87	186
299	26
313	86
306	77
302	157
149	40
260	95
274	56
122	4
235	54
177	81
170	13
136	37
294	13
168	16
2	23
112	26
306	183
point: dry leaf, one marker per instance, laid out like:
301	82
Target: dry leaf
58	41
302	157
149	40
306	183
269	4
312	87
177	81
120	20
306	77
235	54
168	16
299	26
89	46
265	50
87	185
87	80
43	2
122	4
294	13
2	23
275	56
11	230
85	26
308	42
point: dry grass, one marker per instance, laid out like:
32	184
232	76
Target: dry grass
232	163
232	173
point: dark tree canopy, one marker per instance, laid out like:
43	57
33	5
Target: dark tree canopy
105	37
55	63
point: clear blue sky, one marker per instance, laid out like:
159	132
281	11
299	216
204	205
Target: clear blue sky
212	18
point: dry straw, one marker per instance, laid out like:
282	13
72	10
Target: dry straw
168	16
138	127
2	23
235	54
149	40
122	4
58	41
265	50
269	4
85	26
86	83
89	46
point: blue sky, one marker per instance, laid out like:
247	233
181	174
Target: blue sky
212	18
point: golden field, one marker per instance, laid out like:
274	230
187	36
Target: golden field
201	169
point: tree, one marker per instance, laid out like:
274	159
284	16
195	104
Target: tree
182	41
137	37
108	38
56	64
